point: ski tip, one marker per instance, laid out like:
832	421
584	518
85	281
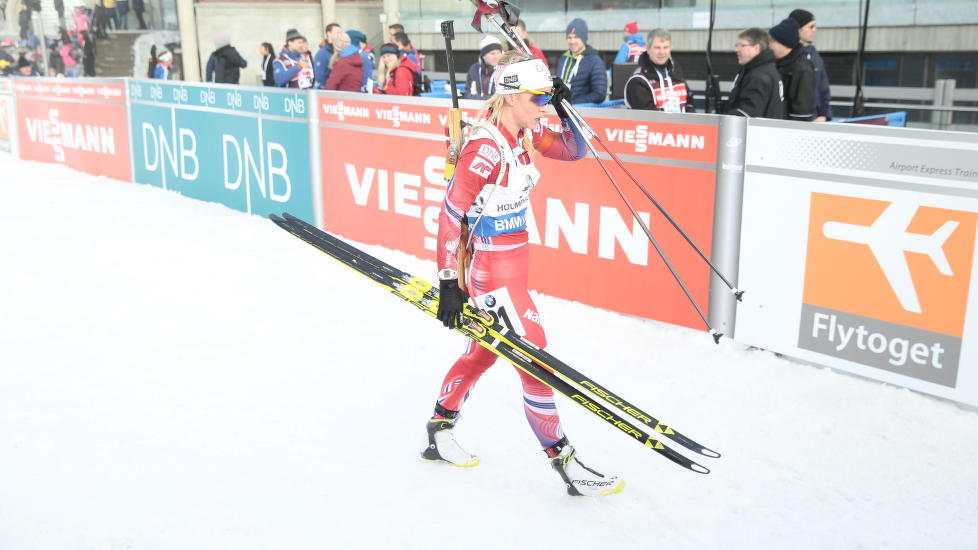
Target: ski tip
699	469
739	294
709	452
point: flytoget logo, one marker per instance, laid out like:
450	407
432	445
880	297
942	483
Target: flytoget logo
886	284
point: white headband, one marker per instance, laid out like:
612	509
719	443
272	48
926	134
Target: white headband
529	75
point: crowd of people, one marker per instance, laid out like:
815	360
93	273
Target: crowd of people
71	47
781	73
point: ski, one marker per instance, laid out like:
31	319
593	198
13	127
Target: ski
540	356
483	327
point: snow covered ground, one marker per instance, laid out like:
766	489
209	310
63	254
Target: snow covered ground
178	375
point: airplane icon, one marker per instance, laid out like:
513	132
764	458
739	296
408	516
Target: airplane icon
888	239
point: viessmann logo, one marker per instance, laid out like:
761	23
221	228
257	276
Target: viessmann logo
886	284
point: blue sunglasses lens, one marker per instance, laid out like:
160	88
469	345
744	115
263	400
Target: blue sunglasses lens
543	99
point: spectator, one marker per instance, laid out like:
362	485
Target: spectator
7	63
163	61
479	84
359	40
405	48
658	84
400	72
26	68
122	14
100	21
138	7
59	7
70	55
346	74
81	19
293	67
325	54
634	45
806	34
225	64
796	71
24	19
111	15
88	53
267	53
581	67
757	87
521	30
392	30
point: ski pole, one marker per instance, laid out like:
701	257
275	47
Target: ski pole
621	193
577	116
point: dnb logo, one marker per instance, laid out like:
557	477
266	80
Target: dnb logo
886	284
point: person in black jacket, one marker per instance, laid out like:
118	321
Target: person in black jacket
757	90
479	83
267	53
658	83
797	72
225	64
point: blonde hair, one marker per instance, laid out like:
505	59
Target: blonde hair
342	40
493	107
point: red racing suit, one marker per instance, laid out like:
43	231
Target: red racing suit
491	187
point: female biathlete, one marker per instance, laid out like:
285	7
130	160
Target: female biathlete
490	191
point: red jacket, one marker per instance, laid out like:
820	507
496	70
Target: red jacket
401	79
347	74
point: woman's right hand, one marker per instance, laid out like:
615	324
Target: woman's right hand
451	303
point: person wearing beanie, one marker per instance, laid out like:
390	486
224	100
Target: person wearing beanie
398	75
164	60
406	48
797	72
346	74
293	68
634	45
359	40
225	63
657	83
323	57
756	89
806	35
581	67
479	83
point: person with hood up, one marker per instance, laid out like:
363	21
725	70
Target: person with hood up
657	83
399	72
359	40
293	67
346	72
581	67
757	90
225	64
479	83
796	71
806	34
634	45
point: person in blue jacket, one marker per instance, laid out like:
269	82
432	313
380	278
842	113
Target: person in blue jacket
325	54
581	67
634	45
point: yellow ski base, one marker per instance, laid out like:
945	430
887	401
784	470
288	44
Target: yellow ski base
469	464
613	490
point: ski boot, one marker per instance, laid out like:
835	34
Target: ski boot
442	446
580	480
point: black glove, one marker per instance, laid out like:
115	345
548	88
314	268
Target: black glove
560	93
451	303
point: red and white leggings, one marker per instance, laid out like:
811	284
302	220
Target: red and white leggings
492	276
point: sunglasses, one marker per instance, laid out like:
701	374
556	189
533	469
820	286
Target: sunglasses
540	98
